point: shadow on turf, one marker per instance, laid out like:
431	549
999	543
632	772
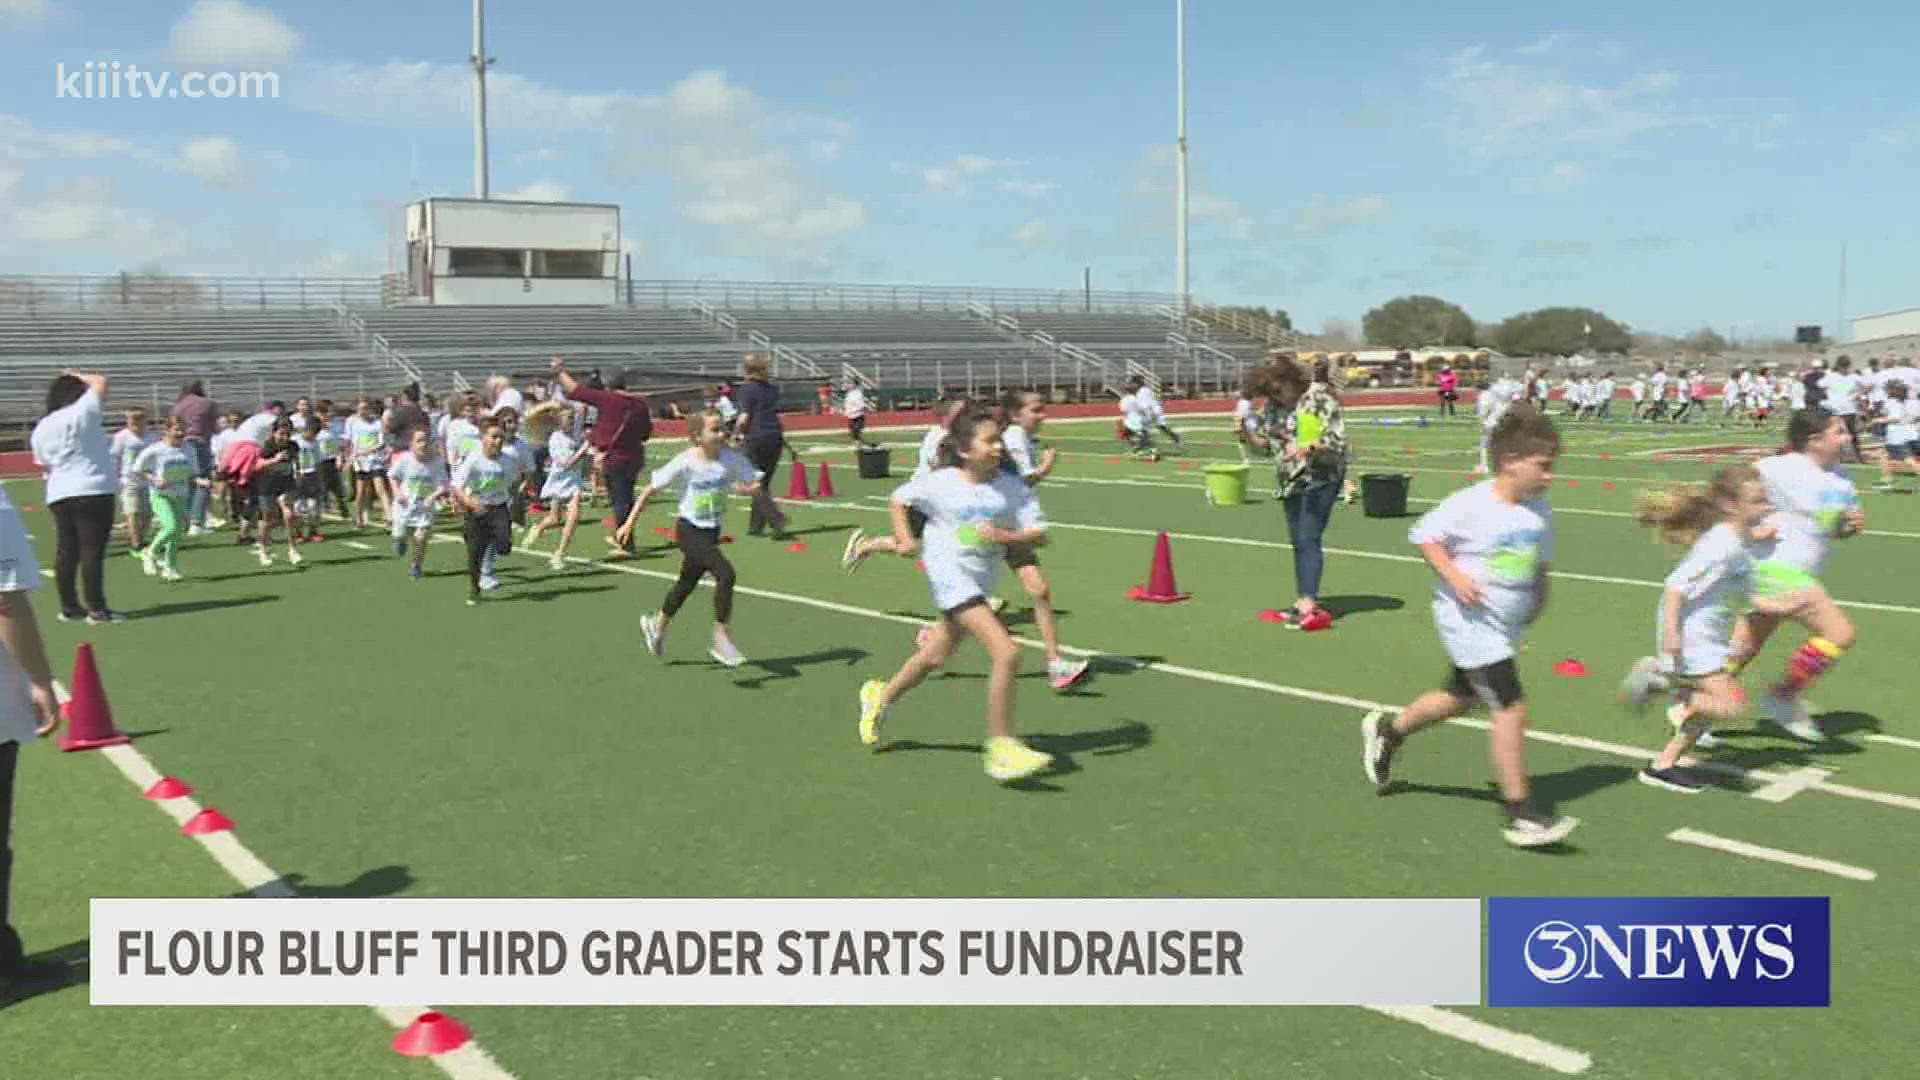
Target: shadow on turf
1343	606
380	881
811	530
189	607
544	595
1785	750
788	667
1550	790
1128	736
47	972
280	566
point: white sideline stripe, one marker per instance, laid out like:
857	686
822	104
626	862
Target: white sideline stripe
1578	742
1243	541
1513	1044
1895	740
1774	855
1793	783
470	1062
357	544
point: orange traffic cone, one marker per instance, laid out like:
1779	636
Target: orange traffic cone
431	1033
89	719
797	483
1160	588
826	483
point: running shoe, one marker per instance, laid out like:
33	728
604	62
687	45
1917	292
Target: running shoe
851	556
1064	674
1675	780
726	653
1643	680
872	711
655	636
1791	716
1376	748
1008	759
1529	828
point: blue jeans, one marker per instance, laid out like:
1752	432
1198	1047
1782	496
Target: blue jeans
202	470
1307	515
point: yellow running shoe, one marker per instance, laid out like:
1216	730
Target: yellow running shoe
872	712
1010	759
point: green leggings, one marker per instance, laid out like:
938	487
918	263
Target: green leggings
169	511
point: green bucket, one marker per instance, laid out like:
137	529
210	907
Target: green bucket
1227	484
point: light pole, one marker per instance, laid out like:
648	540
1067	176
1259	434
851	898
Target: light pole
1180	163
480	61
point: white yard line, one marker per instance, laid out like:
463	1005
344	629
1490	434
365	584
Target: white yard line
1782	788
1773	855
1513	1044
250	872
1895	740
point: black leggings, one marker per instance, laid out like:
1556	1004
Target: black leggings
83	524
700	554
764	452
490	528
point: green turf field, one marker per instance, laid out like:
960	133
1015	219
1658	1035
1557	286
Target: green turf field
372	736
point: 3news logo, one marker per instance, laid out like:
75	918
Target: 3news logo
1668	951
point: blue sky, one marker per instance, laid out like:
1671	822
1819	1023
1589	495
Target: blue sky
1672	164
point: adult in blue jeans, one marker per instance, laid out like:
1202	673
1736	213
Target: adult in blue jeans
1307	434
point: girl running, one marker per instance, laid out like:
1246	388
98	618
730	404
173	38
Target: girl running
1815	504
555	424
973	511
1021	414
420	484
166	468
273	486
1694	624
1903	433
483	488
367	451
707	471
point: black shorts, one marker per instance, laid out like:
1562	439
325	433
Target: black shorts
916	523
269	489
1497	686
1021	556
954	612
309	486
857	426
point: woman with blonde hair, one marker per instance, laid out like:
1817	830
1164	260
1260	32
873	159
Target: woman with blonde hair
551	424
502	396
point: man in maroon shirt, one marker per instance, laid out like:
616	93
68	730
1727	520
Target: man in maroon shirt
619	435
196	412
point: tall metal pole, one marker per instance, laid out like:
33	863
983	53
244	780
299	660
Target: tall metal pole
1840	321
480	60
1180	177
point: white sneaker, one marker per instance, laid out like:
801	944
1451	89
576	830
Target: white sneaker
1538	831
488	583
265	557
294	557
851	557
169	574
557	562
1064	673
726	653
1643	680
147	564
198	530
655	636
1791	716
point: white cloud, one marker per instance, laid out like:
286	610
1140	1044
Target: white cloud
1320	217
1031	189
216	160
230	32
1564	176
1033	233
1902	135
952	176
87	214
21	141
824	150
539	191
1497	109
22	11
9	179
544	154
1543	45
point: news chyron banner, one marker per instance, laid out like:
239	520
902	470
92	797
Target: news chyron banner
405	952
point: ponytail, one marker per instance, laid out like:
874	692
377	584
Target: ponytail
1683	515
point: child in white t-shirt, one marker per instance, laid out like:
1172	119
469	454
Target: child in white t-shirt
1490	546
420	485
555	423
126	447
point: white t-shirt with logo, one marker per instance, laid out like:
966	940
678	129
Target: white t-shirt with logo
960	565
127	447
166	470
1502	547
1841	390
705	482
489	481
1809	504
1714	581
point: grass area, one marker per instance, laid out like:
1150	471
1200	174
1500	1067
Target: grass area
370	735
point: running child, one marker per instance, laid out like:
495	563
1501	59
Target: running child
330	444
565	484
166	470
1490	547
1814	505
1136	419
1021	414
973	511
367	452
273	489
420	485
855	406
309	498
483	489
1154	412
1903	433
135	512
859	544
1698	610
706	472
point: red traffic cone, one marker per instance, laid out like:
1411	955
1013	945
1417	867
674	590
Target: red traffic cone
797	548
1160	587
797	483
826	483
1608	485
168	787
89	719
1571	668
431	1033
207	821
609	522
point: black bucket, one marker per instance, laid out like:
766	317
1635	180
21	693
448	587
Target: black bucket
1384	494
876	462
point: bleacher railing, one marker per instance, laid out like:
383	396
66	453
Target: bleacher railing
158	292
378	348
827	297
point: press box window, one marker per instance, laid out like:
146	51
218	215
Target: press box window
564	264
485	262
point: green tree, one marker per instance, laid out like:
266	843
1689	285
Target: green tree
1561	331
1705	342
1409	322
